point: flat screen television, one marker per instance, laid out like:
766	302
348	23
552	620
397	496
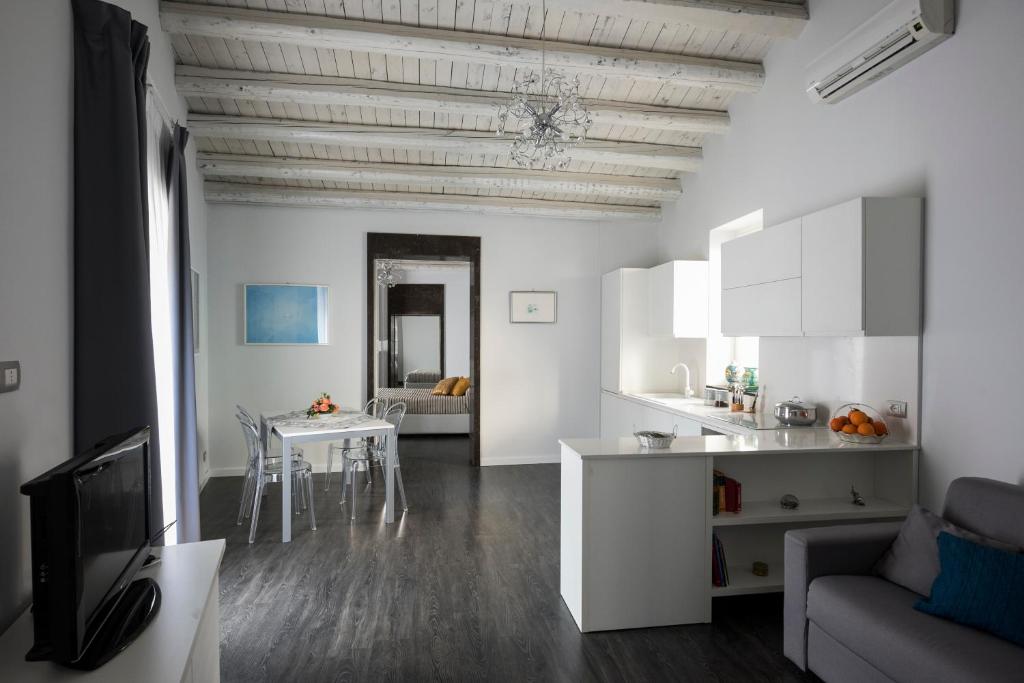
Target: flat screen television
90	537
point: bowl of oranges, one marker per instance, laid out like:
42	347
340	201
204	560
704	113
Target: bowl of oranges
858	423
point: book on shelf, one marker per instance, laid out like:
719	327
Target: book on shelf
727	494
719	567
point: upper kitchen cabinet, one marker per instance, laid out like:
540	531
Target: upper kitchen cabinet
624	295
761	283
861	268
679	300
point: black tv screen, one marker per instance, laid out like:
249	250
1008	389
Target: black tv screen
111	495
89	539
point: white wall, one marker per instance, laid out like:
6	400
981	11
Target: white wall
36	254
538	382
456	313
946	127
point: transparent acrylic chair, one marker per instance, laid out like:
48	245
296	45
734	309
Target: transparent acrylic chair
261	471
375	407
374	453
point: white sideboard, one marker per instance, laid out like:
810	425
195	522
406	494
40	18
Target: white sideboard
637	524
180	645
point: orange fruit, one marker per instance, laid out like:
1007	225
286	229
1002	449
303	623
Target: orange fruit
849	429
880	428
866	429
858	417
837	423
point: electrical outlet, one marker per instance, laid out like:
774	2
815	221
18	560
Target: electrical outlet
11	375
897	409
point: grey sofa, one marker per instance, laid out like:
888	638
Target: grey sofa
846	624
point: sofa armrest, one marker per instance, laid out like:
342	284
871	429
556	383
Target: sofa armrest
810	553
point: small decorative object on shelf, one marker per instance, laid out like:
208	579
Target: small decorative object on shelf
750	379
322	406
857	498
858	423
759	569
733	373
789	502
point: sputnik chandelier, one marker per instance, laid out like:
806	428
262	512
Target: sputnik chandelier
544	116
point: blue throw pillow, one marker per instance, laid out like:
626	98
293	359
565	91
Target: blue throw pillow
979	586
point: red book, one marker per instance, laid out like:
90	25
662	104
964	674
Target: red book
731	495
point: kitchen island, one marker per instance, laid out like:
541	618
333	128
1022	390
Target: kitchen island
637	523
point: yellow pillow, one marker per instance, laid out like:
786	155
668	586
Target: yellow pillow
444	387
461	387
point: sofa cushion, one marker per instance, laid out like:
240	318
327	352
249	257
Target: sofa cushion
987	507
980	587
877	621
913	559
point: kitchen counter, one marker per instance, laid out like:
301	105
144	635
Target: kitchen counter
794	440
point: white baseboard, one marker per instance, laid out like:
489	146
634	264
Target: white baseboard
543	459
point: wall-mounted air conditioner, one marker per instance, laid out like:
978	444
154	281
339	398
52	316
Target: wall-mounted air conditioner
900	32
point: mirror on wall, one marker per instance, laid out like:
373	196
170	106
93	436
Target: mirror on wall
415	345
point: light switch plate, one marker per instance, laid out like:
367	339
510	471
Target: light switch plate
10	376
897	409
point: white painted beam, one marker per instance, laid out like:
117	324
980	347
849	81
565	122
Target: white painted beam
641	154
767	17
327	90
438	44
463	177
268	195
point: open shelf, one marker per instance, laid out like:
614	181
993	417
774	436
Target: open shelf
814	510
743	582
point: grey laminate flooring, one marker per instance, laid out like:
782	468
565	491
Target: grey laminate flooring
464	587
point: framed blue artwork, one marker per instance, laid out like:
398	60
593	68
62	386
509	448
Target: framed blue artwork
285	314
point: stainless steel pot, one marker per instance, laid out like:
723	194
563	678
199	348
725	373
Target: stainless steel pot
795	413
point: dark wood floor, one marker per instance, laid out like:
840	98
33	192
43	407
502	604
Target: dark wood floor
464	587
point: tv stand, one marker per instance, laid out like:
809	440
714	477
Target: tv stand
180	644
127	618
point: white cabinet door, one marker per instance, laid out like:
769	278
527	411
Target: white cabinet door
766	310
665	421
765	256
833	270
611	325
679	300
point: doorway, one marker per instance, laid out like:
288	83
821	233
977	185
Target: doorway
417	332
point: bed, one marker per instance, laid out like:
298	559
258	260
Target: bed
428	414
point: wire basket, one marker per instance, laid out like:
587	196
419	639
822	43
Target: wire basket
874	418
653	439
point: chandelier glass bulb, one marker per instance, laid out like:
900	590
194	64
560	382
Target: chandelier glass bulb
545	118
388	274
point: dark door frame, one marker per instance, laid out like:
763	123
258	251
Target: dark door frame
427	300
399	246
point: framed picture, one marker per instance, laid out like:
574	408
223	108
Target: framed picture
195	312
533	307
285	314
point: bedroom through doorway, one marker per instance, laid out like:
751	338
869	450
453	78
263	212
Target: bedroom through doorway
423	320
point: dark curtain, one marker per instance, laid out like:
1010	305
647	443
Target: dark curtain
114	376
187	464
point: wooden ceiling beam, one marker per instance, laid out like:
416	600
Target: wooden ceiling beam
767	17
192	81
438	44
462	177
269	195
640	154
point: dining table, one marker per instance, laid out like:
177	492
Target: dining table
295	427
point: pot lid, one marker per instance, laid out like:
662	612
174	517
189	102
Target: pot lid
795	403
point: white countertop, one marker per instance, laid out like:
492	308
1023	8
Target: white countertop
773	441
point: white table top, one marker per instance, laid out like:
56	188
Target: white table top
185	575
768	442
295	423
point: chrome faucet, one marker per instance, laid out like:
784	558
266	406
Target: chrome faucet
688	392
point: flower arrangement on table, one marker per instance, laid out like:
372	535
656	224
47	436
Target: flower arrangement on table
322	406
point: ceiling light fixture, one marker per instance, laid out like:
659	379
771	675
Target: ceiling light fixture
544	116
388	274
